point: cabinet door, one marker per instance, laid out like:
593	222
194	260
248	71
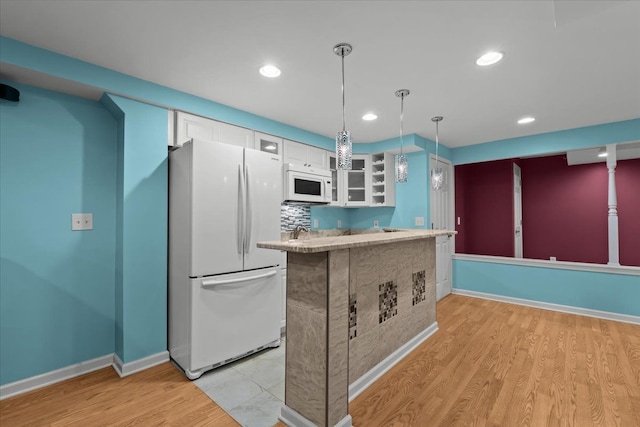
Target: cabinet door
316	157
235	135
358	185
283	316
295	152
189	127
268	143
336	180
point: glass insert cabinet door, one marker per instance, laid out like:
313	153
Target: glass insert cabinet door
334	180
356	181
268	143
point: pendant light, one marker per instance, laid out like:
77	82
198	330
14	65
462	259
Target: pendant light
436	172
402	169
343	137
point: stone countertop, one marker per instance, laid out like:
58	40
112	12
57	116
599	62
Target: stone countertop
325	244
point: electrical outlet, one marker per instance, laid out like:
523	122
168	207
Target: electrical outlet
420	221
376	223
552	258
81	222
315	223
339	223
458	220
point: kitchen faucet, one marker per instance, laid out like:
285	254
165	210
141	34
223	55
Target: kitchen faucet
298	229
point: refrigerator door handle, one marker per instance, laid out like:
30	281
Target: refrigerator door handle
213	282
248	217
240	237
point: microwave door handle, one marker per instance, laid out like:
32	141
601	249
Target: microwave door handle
248	218
240	239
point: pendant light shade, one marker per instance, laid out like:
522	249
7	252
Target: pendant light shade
436	172
343	137
402	168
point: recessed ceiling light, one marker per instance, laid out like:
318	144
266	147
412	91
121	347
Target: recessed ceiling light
369	116
270	71
489	58
525	120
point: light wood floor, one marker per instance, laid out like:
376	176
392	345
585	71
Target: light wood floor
158	396
496	364
491	364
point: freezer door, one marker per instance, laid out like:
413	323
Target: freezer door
263	192
233	314
217	206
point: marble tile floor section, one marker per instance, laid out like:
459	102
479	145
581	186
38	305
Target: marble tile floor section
250	390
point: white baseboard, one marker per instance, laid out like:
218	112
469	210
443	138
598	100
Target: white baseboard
293	419
49	378
617	317
362	383
68	372
124	369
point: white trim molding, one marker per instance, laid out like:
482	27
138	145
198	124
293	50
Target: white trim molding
53	377
561	265
374	374
293	419
626	318
125	369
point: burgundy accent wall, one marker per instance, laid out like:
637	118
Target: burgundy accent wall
564	210
628	192
484	203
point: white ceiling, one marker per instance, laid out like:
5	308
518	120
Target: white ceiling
568	63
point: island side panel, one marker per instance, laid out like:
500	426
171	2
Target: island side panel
392	293
338	337
306	353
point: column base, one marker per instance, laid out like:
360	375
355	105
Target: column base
294	419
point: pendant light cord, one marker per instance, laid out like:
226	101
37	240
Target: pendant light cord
401	121
343	121
438	122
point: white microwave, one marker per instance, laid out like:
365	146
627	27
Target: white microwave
305	184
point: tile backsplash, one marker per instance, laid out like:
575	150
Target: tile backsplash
292	214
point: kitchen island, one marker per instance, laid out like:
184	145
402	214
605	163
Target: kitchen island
356	304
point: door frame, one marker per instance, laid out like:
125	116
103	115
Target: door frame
517	232
451	203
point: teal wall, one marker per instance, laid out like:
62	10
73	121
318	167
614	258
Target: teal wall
57	157
615	293
141	258
412	199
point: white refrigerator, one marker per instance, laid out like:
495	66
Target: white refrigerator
224	292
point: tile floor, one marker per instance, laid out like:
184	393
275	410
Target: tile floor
251	390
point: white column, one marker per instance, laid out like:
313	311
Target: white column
614	258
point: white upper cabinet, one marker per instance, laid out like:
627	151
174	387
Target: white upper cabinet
189	126
350	188
305	155
268	143
235	135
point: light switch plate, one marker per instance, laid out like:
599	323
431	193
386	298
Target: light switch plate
315	223
339	223
420	221
376	223
81	222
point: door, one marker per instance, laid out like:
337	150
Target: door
517	210
358	181
235	135
233	314
217	181
295	152
189	127
442	219
268	143
263	189
336	180
316	157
